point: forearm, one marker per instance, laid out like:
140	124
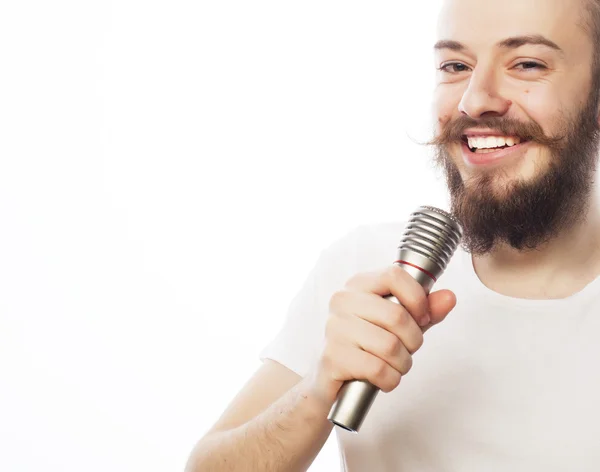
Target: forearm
287	436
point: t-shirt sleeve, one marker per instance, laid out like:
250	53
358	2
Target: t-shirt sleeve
301	339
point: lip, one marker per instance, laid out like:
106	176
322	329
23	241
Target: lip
475	160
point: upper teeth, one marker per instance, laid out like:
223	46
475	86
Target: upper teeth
486	142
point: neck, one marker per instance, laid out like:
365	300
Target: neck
558	269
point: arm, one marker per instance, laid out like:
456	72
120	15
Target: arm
278	422
274	424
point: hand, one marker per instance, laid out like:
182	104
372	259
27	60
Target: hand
371	338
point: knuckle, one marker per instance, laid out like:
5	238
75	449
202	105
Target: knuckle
378	369
412	294
418	340
408	363
392	381
392	345
416	299
396	379
394	272
399	317
336	300
421	299
414	343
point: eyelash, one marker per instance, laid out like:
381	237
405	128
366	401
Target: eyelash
444	66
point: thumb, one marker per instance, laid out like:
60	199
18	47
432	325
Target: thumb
440	304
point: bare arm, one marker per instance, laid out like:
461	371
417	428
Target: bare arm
278	422
275	424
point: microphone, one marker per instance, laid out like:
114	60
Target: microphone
430	238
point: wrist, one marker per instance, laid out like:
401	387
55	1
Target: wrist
322	392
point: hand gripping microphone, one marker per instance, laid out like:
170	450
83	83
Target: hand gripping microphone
430	238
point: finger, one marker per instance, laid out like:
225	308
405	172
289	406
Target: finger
349	362
381	312
396	281
379	342
441	303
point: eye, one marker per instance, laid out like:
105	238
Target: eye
530	65
453	67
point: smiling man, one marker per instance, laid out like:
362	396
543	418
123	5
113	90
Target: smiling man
510	381
517	106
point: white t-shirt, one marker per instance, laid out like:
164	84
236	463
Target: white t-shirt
503	384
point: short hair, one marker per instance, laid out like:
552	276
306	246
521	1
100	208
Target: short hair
591	23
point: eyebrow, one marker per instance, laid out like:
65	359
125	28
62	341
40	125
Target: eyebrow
508	43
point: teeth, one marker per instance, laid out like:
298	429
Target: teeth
488	142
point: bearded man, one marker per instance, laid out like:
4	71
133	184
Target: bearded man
508	381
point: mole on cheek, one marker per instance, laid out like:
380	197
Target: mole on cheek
526	91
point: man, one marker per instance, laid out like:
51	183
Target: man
510	381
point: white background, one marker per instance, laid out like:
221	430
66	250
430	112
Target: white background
169	172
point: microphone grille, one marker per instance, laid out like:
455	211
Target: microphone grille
433	233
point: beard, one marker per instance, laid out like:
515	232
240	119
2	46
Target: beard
525	214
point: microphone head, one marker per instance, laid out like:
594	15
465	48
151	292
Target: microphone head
429	240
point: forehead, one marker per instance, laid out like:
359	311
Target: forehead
482	23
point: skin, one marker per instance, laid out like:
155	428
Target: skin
488	80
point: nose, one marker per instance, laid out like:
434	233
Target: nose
483	97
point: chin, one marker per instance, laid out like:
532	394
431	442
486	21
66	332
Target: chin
524	170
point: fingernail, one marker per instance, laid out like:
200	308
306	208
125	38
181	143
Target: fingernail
425	320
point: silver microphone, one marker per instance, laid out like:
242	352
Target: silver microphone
430	238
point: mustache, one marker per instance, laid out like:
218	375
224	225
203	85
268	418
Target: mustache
454	131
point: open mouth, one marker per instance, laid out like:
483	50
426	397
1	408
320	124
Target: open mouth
486	144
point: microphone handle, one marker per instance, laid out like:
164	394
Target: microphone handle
356	396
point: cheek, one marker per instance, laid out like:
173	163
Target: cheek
445	105
541	107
